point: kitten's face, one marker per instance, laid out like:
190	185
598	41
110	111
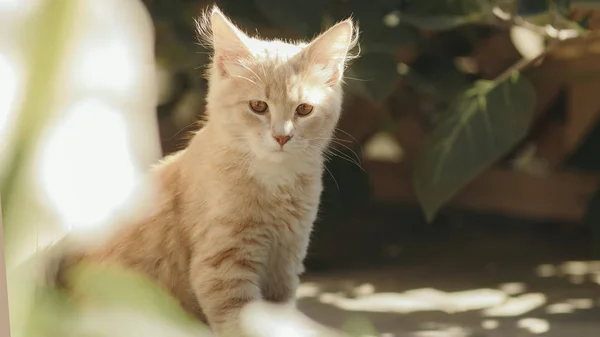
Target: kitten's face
276	100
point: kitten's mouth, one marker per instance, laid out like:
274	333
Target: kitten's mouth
278	154
280	149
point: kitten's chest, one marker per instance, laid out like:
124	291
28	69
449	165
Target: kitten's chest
288	207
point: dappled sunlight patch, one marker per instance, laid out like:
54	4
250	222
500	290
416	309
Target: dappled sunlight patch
453	331
576	272
560	308
517	306
534	325
546	270
574	268
576	279
426	299
506	309
594	266
364	290
581	303
307	290
382	146
509	309
513	288
490	324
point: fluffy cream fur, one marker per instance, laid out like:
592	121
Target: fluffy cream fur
236	208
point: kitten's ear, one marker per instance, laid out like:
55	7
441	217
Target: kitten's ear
330	50
230	44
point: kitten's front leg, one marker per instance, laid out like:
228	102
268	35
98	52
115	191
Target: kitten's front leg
285	268
225	278
282	281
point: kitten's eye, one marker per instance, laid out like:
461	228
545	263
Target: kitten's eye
304	109
258	106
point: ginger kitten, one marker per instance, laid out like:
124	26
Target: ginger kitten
237	206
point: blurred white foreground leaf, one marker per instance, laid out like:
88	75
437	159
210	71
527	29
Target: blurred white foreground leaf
78	132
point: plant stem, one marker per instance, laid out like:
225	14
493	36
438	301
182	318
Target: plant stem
522	64
46	44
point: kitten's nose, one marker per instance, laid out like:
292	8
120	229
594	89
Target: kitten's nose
282	139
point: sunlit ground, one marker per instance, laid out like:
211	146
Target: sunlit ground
546	300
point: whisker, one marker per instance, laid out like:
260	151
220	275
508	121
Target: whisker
334	138
339	154
351	136
351	151
250	70
348	159
310	153
332	177
355	79
247	79
181	130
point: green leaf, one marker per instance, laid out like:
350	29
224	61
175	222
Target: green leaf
375	74
120	287
305	18
482	125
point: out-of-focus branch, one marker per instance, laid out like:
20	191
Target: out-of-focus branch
45	47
